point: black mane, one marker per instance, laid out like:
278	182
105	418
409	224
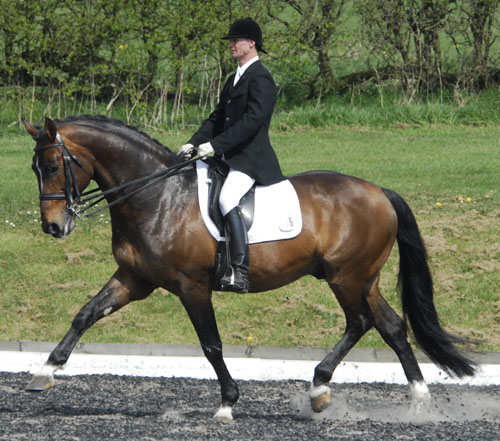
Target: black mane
112	124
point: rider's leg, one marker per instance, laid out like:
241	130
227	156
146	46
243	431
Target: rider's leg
235	187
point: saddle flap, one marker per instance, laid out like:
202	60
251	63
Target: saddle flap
276	209
217	173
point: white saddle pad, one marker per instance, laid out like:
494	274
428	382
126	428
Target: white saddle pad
277	213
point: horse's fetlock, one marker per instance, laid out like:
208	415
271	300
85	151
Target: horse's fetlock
58	359
231	396
322	376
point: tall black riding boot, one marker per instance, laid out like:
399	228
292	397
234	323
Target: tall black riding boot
236	277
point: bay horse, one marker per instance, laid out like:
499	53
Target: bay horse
159	240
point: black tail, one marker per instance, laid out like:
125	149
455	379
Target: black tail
415	283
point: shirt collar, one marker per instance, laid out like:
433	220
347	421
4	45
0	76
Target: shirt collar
243	68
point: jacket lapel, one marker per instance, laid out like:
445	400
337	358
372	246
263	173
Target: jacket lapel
238	88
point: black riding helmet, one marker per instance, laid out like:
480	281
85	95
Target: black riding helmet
246	28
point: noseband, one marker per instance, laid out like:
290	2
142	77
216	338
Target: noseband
72	194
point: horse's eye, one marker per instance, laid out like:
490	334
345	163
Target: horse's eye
52	169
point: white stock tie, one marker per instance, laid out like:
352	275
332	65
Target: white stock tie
237	76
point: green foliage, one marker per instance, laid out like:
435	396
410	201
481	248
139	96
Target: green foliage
369	106
155	57
384	108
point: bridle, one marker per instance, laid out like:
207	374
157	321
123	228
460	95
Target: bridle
75	199
72	194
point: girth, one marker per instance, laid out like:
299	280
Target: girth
217	173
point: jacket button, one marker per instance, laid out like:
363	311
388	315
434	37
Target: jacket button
227	118
229	101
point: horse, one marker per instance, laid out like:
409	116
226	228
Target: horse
159	240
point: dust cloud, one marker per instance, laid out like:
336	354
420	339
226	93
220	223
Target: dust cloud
393	405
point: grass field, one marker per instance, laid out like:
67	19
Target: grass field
448	175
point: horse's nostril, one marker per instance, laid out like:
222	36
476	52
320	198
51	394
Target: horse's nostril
54	230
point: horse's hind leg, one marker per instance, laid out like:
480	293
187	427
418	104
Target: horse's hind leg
392	329
119	291
359	320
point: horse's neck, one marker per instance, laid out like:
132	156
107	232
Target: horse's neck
119	162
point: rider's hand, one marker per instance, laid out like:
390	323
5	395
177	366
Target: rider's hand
205	149
187	150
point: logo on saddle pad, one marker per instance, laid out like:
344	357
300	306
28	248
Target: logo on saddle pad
275	208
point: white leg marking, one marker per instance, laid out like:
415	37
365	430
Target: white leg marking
225	413
48	370
420	395
107	311
315	392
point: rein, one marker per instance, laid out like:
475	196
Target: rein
73	201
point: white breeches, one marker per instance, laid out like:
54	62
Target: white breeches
235	187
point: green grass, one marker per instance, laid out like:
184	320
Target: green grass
45	281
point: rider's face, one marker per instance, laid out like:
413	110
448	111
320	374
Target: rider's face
241	49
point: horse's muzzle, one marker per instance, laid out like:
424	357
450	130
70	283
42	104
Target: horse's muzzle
60	229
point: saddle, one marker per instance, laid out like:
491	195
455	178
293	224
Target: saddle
270	213
217	173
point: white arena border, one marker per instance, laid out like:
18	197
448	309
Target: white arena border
363	366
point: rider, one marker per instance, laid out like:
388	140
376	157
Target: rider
237	131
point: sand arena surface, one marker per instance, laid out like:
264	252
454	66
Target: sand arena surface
94	407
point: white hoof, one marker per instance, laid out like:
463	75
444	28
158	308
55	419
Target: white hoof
320	398
224	414
420	396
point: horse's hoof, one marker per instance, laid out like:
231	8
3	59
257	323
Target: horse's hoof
40	383
320	398
224	414
421	397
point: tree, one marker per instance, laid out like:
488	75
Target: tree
309	29
406	34
426	19
473	33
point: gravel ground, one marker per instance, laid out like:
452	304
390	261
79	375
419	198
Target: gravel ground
101	407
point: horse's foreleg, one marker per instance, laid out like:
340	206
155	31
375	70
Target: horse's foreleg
118	292
391	328
200	310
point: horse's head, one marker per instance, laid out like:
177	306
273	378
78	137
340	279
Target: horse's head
63	171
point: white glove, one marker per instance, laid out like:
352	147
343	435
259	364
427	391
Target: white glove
205	149
186	150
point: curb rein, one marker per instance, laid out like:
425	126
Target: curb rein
75	198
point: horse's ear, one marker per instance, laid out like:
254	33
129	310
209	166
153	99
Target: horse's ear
50	129
30	128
